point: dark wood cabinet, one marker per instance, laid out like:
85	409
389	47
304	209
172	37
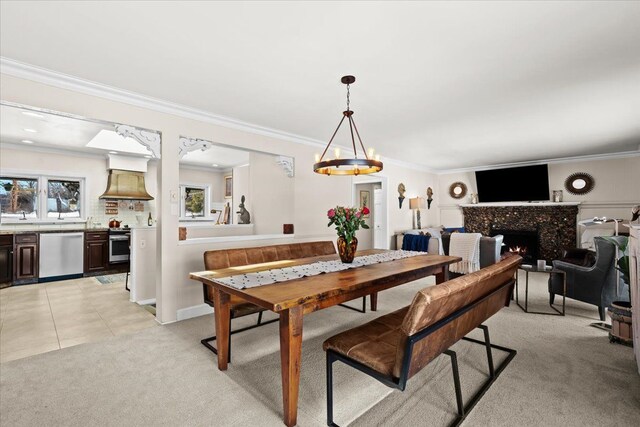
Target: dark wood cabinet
25	257
96	251
6	258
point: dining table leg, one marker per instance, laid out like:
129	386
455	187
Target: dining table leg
443	275
222	308
290	359
374	301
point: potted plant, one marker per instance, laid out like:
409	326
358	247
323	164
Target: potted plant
620	311
347	222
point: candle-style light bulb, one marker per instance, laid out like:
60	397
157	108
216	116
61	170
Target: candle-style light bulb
371	151
378	157
317	157
337	153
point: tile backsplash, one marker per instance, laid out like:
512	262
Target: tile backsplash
96	218
126	214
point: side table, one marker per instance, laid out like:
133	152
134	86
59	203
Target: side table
534	269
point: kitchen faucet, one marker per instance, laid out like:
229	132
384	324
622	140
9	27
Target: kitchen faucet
24	216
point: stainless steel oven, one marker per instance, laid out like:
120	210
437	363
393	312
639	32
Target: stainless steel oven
119	249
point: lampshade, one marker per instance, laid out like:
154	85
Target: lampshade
416	203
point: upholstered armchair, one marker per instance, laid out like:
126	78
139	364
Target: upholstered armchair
594	282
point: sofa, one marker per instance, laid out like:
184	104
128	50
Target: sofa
434	242
490	247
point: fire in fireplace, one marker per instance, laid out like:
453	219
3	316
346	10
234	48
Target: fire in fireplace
517	249
521	242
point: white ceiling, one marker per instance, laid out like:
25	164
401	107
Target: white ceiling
216	157
53	131
442	84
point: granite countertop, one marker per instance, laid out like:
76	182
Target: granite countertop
59	230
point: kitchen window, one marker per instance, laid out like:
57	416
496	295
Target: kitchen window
194	202
19	197
63	198
39	198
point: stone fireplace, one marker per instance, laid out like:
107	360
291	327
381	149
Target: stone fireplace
552	225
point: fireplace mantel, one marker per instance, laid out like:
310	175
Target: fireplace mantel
526	204
556	223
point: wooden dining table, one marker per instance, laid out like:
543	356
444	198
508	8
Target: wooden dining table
292	299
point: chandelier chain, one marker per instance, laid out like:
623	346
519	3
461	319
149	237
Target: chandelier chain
348	93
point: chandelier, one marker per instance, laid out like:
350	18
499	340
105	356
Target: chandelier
348	166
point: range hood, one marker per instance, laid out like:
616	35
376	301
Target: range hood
126	185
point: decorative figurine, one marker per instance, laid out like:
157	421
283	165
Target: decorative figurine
245	218
429	197
401	191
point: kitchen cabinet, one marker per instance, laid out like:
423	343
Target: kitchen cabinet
96	251
6	258
25	256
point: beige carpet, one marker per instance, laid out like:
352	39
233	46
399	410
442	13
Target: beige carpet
566	373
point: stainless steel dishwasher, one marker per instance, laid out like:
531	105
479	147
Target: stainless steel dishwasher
61	255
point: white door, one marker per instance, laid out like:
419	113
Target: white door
378	218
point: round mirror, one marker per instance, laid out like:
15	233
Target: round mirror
579	183
458	190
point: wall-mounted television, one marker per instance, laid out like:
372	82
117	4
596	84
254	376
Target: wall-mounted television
520	184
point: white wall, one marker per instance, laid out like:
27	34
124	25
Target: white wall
271	194
616	188
416	183
143	262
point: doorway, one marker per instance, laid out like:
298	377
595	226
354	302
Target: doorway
373	191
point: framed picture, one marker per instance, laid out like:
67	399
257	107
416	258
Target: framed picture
228	186
365	200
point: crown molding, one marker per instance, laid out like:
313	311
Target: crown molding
572	159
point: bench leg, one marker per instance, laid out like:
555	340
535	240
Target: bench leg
488	347
456	380
493	372
207	341
362	310
374	301
330	360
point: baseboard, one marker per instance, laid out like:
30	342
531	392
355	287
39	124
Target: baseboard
147	301
193	311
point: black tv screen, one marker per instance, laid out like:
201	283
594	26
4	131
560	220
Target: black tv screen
521	184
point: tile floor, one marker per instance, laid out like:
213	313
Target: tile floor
48	316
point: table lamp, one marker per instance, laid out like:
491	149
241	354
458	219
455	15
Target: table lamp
416	204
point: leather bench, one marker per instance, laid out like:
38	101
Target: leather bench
226	258
395	347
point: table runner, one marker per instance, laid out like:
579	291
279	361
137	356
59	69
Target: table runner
267	277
